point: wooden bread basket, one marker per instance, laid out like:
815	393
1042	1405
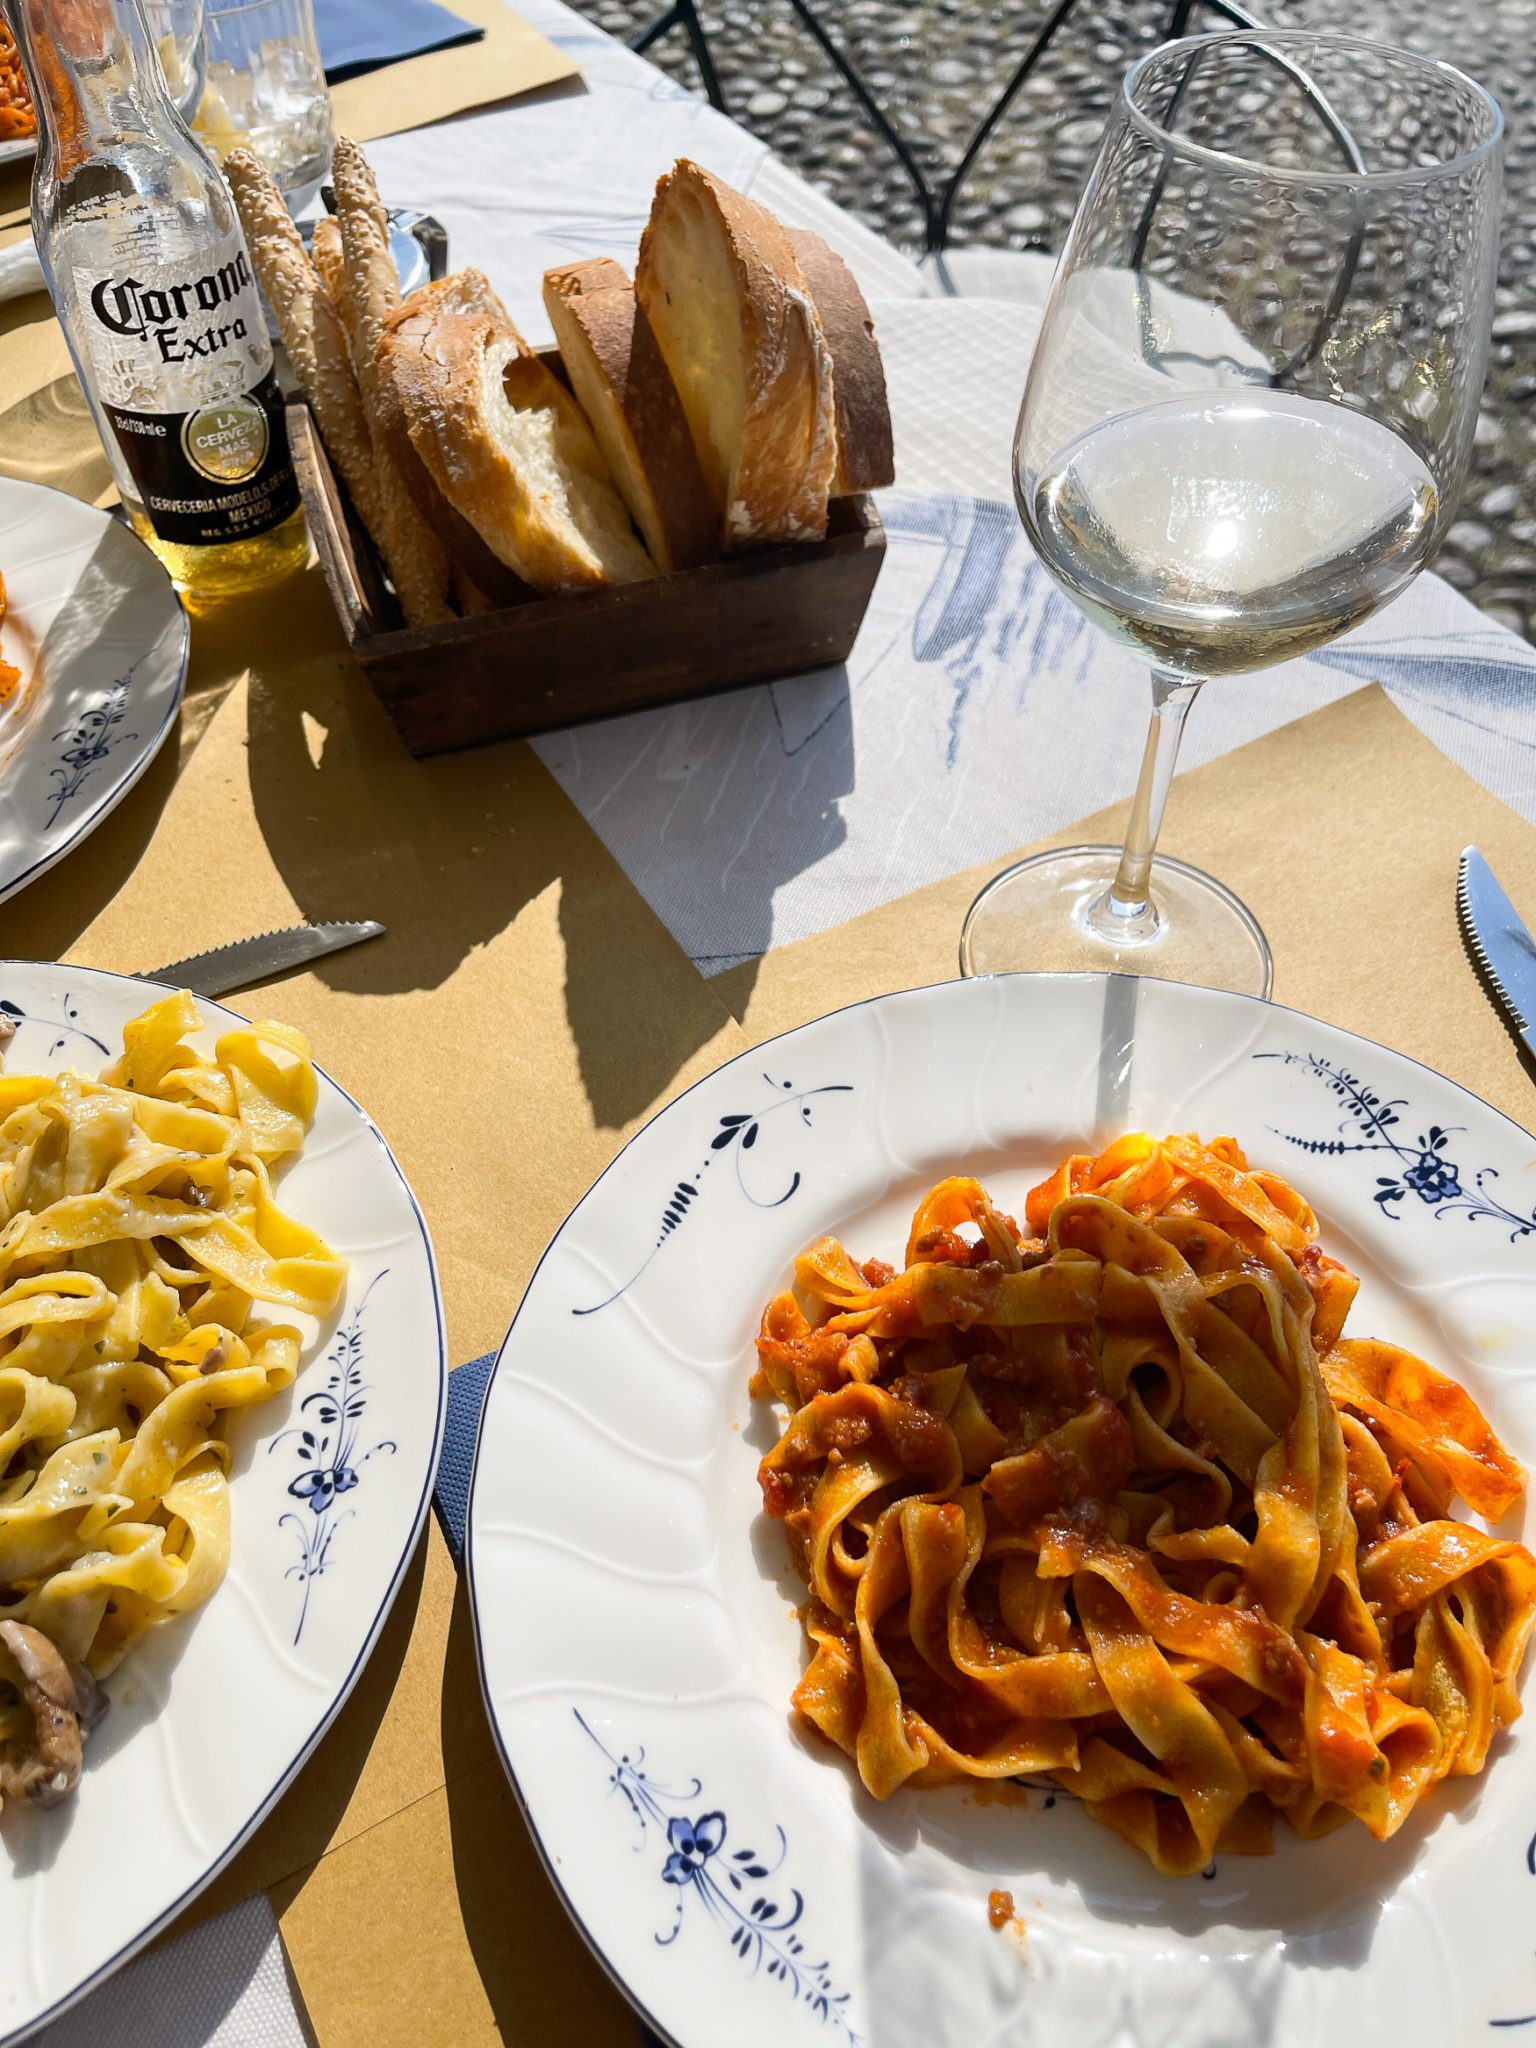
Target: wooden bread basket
556	661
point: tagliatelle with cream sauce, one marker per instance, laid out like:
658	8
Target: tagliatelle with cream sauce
1111	1500
138	1234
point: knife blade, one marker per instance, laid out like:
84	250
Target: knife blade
1498	942
225	968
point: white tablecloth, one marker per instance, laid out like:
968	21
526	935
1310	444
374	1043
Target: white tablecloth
977	711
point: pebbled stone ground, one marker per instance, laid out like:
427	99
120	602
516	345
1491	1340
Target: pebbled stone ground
933	64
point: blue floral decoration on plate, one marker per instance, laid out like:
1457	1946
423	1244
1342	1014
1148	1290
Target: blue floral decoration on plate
1423	1165
734	1887
734	1137
91	740
64	1027
327	1449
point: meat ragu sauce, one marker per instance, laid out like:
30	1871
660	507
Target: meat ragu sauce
1120	1469
1037	1388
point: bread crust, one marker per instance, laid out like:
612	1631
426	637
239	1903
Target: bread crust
782	474
460	347
866	459
402	394
604	336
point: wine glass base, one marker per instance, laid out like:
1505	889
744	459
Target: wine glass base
1034	918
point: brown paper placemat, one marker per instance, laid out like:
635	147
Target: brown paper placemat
511	1048
536	1011
1341	832
511	58
47	435
15	195
1354	878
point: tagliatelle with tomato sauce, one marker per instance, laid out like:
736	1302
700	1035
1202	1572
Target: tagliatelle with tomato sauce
1112	1500
10	675
17	116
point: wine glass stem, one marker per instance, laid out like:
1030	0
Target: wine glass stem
1128	904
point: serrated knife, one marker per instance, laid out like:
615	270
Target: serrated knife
225	968
1498	942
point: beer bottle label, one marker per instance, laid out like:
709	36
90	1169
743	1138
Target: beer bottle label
183	369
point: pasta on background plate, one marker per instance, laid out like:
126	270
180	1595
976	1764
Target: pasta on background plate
1111	1500
138	1232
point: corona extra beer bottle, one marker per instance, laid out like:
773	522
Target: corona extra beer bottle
152	282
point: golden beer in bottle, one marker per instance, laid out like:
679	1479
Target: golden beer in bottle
152	282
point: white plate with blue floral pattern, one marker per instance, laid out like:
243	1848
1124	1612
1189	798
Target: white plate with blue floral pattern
635	1613
211	1717
100	638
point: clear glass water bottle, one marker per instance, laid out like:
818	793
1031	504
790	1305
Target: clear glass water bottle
151	279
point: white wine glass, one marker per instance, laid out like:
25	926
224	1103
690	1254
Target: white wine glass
1247	420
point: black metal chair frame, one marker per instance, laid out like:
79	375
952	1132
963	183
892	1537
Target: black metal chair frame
937	202
684	14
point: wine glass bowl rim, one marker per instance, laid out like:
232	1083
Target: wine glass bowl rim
1290	39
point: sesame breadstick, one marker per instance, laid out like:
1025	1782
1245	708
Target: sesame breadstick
417	560
309	325
325	253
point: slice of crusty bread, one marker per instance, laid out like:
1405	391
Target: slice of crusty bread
625	389
866	459
504	441
737	328
405	391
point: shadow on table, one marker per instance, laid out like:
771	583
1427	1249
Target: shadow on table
449	853
41	442
46	919
542	1982
716	805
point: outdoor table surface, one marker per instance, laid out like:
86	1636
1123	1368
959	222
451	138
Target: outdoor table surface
978	710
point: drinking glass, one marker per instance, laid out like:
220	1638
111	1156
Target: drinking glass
1247	420
266	89
177	29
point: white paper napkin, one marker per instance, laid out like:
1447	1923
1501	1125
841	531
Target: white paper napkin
20	271
224	1985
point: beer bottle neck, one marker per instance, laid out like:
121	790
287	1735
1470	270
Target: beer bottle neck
94	73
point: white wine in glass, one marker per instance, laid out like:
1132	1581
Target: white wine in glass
1247	420
1219	534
